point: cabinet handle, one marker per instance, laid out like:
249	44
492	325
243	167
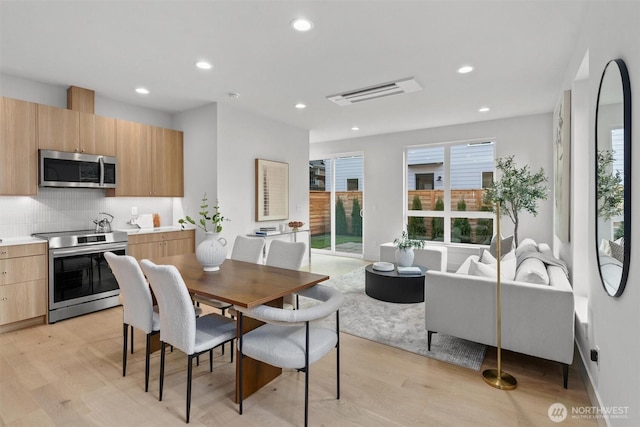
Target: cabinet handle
5	299
4	272
3	252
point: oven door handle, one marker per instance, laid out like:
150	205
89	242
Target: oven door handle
56	253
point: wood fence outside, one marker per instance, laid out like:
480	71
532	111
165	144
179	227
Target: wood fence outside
320	205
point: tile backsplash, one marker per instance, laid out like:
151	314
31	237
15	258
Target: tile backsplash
64	209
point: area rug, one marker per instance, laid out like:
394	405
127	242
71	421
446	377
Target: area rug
398	325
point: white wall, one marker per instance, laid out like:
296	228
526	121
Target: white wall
244	137
200	127
528	138
610	31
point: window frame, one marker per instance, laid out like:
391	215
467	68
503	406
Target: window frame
447	214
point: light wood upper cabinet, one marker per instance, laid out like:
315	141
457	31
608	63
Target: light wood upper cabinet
168	169
58	129
133	150
150	161
104	135
61	129
18	148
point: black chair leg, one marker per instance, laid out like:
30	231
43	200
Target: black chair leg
132	340
190	375
429	334
146	363
240	377
125	331
565	375
306	377
338	354
162	345
211	360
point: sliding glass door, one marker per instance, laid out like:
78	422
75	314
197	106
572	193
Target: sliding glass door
336	204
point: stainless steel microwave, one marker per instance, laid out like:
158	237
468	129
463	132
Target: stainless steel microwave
64	169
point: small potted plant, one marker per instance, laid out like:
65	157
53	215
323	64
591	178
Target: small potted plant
404	251
212	251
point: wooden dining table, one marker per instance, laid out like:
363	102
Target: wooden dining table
245	285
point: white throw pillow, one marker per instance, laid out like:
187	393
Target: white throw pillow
508	264
532	270
487	269
477	268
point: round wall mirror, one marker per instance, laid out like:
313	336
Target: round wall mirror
613	177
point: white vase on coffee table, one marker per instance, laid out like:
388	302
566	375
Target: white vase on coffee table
404	257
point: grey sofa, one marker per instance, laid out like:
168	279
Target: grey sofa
537	320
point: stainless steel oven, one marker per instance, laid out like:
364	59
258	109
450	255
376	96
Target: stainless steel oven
80	280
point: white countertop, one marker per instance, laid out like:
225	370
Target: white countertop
150	230
22	240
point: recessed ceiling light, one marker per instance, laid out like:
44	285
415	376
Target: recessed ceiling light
142	90
204	65
465	69
484	109
355	128
300	105
301	24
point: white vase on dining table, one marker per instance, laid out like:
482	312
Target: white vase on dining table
212	251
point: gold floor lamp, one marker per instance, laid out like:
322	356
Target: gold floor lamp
495	377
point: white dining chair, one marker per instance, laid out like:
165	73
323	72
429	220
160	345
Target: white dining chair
292	338
179	326
287	255
137	305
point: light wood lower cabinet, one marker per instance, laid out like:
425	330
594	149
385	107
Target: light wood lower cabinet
23	286
155	245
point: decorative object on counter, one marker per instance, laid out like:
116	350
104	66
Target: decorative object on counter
212	251
143	221
103	225
156	220
516	190
404	252
295	225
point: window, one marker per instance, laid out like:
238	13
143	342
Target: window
445	186
424	181
487	179
352	184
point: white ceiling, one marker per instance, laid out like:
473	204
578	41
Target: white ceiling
520	51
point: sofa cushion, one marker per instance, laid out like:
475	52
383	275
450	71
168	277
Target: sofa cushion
488	266
506	245
526	244
532	270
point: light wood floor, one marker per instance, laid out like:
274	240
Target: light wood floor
70	374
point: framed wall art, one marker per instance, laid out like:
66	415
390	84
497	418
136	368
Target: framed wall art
562	157
272	190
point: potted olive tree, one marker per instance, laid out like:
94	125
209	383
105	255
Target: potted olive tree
404	251
517	190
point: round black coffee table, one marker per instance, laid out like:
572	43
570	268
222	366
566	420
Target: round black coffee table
390	286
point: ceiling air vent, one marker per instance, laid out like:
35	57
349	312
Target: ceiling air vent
378	91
